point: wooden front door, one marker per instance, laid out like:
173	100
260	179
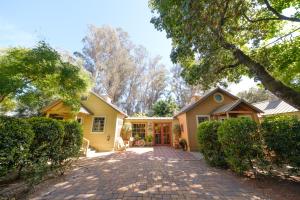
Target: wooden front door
162	133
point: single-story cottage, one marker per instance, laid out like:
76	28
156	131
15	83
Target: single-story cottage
102	121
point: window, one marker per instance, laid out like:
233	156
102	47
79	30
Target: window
202	118
79	120
98	124
218	97
139	130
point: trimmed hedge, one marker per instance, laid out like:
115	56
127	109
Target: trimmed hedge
72	140
32	147
210	147
281	135
238	137
47	143
16	137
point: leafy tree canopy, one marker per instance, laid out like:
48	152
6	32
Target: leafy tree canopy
220	41
254	95
164	108
32	77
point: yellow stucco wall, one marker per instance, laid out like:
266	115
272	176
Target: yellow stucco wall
204	108
101	141
182	120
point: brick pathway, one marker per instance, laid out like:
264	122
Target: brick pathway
147	173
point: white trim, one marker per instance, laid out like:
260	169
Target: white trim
93	125
218	93
208	116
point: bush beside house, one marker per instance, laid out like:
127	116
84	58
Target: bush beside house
281	135
246	146
33	147
16	137
238	137
210	147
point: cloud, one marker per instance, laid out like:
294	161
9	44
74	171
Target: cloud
11	35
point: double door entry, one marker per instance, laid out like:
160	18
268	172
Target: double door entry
162	133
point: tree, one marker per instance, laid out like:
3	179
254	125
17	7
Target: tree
182	91
107	56
226	39
154	85
254	95
122	70
164	108
26	75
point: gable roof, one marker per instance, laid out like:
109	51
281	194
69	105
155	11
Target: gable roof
231	106
275	107
83	109
204	97
110	104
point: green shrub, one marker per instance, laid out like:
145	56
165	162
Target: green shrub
47	143
210	147
16	136
238	137
149	138
72	140
281	135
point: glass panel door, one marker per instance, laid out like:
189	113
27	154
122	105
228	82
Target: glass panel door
166	133
157	134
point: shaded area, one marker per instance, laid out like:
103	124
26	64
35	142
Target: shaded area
156	173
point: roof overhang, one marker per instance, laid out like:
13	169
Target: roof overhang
202	99
229	107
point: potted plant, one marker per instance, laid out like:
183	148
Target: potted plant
177	133
149	139
126	133
138	141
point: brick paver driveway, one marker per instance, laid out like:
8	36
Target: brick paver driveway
147	173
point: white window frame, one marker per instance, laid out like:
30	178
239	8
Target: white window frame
81	120
99	132
207	116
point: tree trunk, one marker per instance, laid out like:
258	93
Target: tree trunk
270	83
279	89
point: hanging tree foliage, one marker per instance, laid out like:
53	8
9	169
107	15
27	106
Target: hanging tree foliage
226	39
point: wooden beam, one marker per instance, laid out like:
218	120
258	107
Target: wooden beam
241	112
227	115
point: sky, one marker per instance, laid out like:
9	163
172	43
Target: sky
63	24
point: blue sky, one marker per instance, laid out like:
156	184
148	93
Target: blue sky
63	24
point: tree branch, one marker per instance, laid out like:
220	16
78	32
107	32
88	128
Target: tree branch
280	16
278	88
219	70
260	19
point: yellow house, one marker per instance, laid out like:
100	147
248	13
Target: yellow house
101	120
218	104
